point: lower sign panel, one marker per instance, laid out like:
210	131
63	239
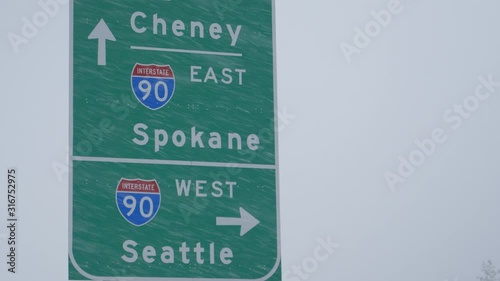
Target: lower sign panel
173	222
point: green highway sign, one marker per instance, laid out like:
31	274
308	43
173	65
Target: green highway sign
174	171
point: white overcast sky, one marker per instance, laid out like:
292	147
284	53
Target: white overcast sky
351	123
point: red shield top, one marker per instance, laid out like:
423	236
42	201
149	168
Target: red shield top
153	70
138	185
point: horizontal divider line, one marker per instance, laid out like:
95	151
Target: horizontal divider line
200	52
173	162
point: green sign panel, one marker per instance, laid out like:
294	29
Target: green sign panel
174	151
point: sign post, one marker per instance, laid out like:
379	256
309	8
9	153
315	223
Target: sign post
174	172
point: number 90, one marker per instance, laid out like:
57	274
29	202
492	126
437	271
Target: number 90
146	88
131	203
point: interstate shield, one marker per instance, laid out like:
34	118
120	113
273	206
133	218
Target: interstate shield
153	85
138	200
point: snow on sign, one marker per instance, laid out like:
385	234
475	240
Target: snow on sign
174	171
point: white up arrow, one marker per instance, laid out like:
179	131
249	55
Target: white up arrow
246	221
102	33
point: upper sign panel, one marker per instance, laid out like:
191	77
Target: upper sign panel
178	80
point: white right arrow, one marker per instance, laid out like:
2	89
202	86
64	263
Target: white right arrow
246	221
102	33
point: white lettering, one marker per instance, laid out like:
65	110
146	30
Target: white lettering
234	33
156	22
201	28
215	31
160	137
132	22
199	188
127	247
137	131
160	25
178	28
